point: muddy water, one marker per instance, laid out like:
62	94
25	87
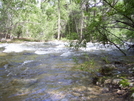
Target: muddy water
46	72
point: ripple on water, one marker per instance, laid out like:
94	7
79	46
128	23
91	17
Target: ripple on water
49	76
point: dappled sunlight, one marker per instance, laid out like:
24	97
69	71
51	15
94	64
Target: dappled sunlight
56	95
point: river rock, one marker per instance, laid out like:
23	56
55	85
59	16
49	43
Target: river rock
76	94
24	81
121	92
3	40
107	69
105	89
107	81
132	96
131	85
116	81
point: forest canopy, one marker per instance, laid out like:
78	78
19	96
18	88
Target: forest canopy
105	21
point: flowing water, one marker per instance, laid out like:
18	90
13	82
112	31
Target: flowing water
36	71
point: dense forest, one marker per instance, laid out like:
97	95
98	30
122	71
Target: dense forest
106	21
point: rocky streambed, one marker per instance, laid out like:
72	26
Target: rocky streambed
117	77
51	71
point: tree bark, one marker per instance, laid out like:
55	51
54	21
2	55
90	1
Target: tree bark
81	28
59	20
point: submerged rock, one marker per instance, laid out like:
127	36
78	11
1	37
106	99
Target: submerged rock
24	81
107	69
121	92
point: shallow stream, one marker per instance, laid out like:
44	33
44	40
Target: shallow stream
37	71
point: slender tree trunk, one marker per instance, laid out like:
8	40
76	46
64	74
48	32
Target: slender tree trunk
81	27
76	26
59	20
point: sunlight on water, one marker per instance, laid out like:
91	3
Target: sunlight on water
57	47
36	71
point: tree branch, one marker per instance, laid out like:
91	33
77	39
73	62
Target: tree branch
112	43
121	28
114	35
129	18
126	23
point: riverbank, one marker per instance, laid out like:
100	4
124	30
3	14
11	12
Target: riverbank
117	77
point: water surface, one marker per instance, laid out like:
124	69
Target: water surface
33	71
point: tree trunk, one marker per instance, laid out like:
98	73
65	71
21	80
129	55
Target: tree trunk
59	20
81	27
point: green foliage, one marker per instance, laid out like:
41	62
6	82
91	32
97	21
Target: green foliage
132	89
106	60
73	36
110	22
124	82
75	60
89	65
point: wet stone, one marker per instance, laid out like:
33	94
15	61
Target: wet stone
76	94
121	92
105	89
116	81
131	84
132	96
107	69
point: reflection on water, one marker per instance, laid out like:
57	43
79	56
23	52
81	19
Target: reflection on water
43	72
